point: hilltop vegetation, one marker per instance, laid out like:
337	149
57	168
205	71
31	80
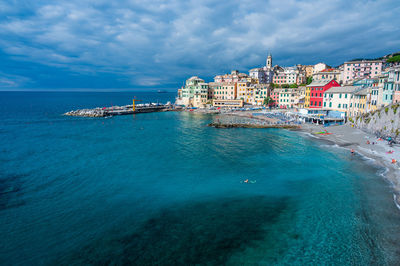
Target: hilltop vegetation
394	59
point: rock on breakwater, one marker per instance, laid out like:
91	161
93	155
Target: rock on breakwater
121	110
97	112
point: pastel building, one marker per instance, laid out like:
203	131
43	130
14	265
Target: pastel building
288	98
358	104
235	76
224	90
319	67
388	88
265	74
396	94
339	98
260	92
194	93
361	69
307	97
316	91
274	94
328	74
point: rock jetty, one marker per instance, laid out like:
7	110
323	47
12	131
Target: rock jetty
97	112
121	110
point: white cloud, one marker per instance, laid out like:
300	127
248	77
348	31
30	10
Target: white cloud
157	42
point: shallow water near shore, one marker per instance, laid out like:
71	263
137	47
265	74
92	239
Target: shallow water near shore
163	188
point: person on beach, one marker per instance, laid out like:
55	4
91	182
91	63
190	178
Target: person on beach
352	151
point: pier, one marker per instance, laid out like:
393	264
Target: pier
121	110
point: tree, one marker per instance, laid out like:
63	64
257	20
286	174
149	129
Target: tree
268	101
309	80
285	85
293	86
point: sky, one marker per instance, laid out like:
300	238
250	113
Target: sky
147	45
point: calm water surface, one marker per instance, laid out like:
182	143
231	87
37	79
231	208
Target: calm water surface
163	188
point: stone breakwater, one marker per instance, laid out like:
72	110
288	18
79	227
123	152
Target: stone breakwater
87	113
120	110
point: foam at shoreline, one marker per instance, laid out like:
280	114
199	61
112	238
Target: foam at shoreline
376	157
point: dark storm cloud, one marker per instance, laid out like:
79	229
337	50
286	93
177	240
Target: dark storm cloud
131	44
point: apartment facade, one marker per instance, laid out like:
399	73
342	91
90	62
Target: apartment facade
361	69
316	91
339	98
194	93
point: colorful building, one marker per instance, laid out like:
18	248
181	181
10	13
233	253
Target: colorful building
361	69
316	92
319	67
339	98
289	98
224	90
260	92
328	74
396	95
358	104
194	93
307	97
274	94
388	88
234	77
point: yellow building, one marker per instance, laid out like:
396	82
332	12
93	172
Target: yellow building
224	90
261	92
307	98
289	98
358	104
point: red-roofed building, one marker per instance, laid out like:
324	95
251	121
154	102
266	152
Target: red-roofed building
316	90
328	74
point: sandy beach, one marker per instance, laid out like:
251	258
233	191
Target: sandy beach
366	145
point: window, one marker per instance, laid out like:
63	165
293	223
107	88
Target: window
340	95
345	95
338	105
324	104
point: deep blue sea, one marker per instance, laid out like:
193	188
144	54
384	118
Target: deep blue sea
165	189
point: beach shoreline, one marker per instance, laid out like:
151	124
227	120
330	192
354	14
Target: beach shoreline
349	138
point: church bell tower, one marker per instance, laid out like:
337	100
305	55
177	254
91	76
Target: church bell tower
269	61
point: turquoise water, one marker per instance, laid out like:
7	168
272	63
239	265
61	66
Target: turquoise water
162	188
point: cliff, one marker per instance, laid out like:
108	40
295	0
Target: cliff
384	122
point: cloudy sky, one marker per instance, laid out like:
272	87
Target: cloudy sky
136	44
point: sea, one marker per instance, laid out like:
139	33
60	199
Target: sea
165	189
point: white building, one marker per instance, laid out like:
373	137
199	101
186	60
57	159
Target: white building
319	67
339	98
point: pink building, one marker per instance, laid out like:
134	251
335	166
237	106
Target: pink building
396	87
279	78
361	69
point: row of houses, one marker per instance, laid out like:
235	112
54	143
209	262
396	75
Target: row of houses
266	84
362	96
